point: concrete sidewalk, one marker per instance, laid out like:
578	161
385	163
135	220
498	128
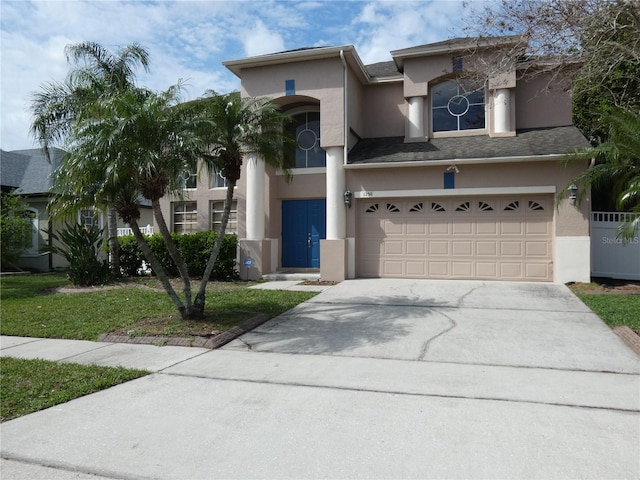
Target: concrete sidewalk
369	379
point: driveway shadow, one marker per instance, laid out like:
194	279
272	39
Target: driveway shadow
388	330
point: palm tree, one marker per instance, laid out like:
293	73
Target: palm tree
616	167
58	104
231	127
137	142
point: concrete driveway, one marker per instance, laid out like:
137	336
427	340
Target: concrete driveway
370	379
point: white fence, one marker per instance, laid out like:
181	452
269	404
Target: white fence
148	230
611	256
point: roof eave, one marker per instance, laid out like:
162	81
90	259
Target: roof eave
236	66
430	50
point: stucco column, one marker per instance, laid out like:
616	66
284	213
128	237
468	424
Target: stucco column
255	198
501	111
416	117
336	213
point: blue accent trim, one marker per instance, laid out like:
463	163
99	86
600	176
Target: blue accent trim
449	180
290	87
457	64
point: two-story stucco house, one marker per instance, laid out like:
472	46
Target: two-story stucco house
422	167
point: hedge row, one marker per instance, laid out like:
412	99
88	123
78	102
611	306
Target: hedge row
195	249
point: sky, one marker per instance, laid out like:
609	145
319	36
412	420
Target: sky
189	40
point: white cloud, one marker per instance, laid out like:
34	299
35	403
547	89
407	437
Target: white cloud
386	26
259	40
190	39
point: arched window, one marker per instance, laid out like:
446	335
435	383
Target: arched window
306	153
457	105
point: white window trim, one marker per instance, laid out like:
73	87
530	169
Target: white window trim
457	133
173	217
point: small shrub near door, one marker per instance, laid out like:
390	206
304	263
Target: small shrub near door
194	248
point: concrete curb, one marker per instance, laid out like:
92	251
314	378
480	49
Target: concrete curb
201	342
629	337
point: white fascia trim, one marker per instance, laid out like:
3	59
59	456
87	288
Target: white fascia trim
456	192
459	161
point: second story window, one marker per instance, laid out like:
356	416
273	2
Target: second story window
305	129
218	180
457	105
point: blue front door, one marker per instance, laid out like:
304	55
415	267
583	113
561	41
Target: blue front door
303	226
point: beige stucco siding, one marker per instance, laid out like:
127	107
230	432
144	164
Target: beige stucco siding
541	104
569	220
322	80
384	110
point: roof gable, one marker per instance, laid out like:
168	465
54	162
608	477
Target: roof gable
29	171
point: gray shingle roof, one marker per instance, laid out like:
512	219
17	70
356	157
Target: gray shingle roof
29	170
531	142
382	69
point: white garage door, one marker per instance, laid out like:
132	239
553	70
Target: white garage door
495	238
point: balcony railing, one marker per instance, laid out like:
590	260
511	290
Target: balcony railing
148	230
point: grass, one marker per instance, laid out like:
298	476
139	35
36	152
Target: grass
27	386
615	310
135	307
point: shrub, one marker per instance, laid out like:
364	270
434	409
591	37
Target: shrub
81	247
131	260
15	228
195	249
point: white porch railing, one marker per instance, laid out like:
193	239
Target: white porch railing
148	230
611	256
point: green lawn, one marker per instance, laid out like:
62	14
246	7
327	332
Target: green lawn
27	386
31	307
615	310
135	308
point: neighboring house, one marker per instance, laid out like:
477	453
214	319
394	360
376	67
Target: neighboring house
407	169
28	174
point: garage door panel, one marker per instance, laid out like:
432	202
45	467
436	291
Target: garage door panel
416	247
393	247
416	269
487	248
438	269
393	228
393	268
487	227
484	238
537	271
439	228
537	228
486	270
462	269
537	249
462	227
511	227
511	249
438	247
511	270
414	228
462	248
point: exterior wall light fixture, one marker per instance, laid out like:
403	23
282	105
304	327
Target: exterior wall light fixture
573	194
347	198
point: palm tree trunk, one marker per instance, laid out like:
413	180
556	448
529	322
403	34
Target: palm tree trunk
114	246
199	301
157	267
173	251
